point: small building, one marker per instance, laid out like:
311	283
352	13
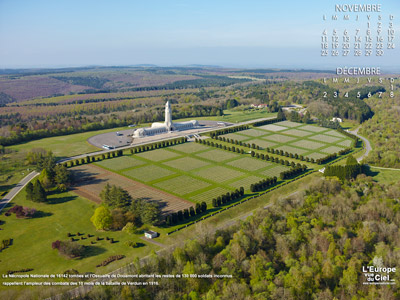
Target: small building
150	234
337	120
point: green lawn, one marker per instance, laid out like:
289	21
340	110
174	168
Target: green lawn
192	170
32	238
66	145
384	175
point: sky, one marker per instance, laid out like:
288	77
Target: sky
253	33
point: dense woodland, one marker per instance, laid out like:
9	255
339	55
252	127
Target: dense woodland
200	94
311	245
383	130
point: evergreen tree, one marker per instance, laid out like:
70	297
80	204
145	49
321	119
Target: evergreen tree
29	191
38	192
281	114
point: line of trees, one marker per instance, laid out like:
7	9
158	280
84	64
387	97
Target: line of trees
257	155
186	213
225	198
269	150
117	153
216	133
270	121
263	184
293	172
346	172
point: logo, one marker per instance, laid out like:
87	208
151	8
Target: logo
378	274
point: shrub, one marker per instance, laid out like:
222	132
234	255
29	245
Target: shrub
110	260
129	228
68	248
131	244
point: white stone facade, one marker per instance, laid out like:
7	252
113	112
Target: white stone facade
167	126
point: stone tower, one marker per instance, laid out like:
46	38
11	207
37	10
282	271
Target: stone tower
168	117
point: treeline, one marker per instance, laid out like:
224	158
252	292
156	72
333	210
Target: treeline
216	133
186	213
95	82
293	172
120	152
4	99
22	133
383	130
266	122
226	198
346	172
351	107
263	184
254	154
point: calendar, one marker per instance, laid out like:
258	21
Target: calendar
358	37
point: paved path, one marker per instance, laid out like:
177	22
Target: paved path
152	241
393	169
367	144
15	190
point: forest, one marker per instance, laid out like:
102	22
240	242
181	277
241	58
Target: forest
383	130
311	245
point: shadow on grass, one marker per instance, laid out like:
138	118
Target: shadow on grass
61	200
93	251
367	170
139	245
6	188
42	214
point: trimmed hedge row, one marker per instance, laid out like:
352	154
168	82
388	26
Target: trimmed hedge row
117	153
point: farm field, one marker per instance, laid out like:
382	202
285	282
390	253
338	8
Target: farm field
94	178
297	138
192	171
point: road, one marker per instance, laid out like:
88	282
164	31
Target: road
15	190
367	144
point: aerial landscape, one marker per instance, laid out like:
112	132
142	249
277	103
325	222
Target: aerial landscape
158	167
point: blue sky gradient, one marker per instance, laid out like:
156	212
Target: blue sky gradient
46	33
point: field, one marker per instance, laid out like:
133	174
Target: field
192	171
297	138
93	179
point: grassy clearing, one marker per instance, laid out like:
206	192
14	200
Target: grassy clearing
158	155
219	174
148	173
384	175
280	138
297	132
249	164
313	142
186	163
308	144
331	149
325	138
218	155
182	185
65	146
32	238
120	163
